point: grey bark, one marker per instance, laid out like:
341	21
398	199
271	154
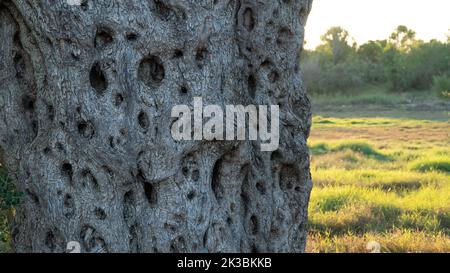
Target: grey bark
85	99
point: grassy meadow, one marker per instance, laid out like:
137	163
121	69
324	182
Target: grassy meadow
380	164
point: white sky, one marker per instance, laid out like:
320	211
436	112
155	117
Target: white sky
376	19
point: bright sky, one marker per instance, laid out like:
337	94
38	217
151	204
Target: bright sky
376	19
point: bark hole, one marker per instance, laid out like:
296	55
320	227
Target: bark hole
108	170
289	178
34	127
285	36
190	168
128	205
103	37
178	245
111	142
273	76
251	83
200	56
185	171
69	206
118	99
254	248
163	10
184	90
28	103
131	36
205	238
216	185
33	197
151	71
261	187
195	175
97	78
267	63
86	129
191	195
89	179
100	214
150	193
143	120
254	224
233	207
50	240
170	227
134	238
19	65
178	53
67	170
84	5
245	188
51	112
249	19
60	147
245	200
91	240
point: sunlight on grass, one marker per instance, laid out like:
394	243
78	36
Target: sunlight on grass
355	146
379	179
383	179
331	122
396	241
439	164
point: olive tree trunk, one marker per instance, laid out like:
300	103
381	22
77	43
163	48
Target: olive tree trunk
86	93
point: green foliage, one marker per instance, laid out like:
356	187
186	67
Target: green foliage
342	77
9	197
372	51
355	146
405	63
336	44
441	85
415	69
402	38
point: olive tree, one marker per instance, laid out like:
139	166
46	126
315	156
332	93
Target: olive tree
86	92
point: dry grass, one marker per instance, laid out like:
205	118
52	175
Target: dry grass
393	242
380	130
380	179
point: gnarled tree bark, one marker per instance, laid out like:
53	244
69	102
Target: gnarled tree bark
85	98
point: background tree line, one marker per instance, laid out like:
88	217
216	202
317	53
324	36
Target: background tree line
401	63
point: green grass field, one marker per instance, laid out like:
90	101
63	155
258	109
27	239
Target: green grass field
379	178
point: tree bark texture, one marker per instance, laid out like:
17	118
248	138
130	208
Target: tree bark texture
86	93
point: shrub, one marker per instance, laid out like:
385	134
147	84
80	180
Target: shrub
355	146
414	70
9	197
441	85
430	165
363	148
331	78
